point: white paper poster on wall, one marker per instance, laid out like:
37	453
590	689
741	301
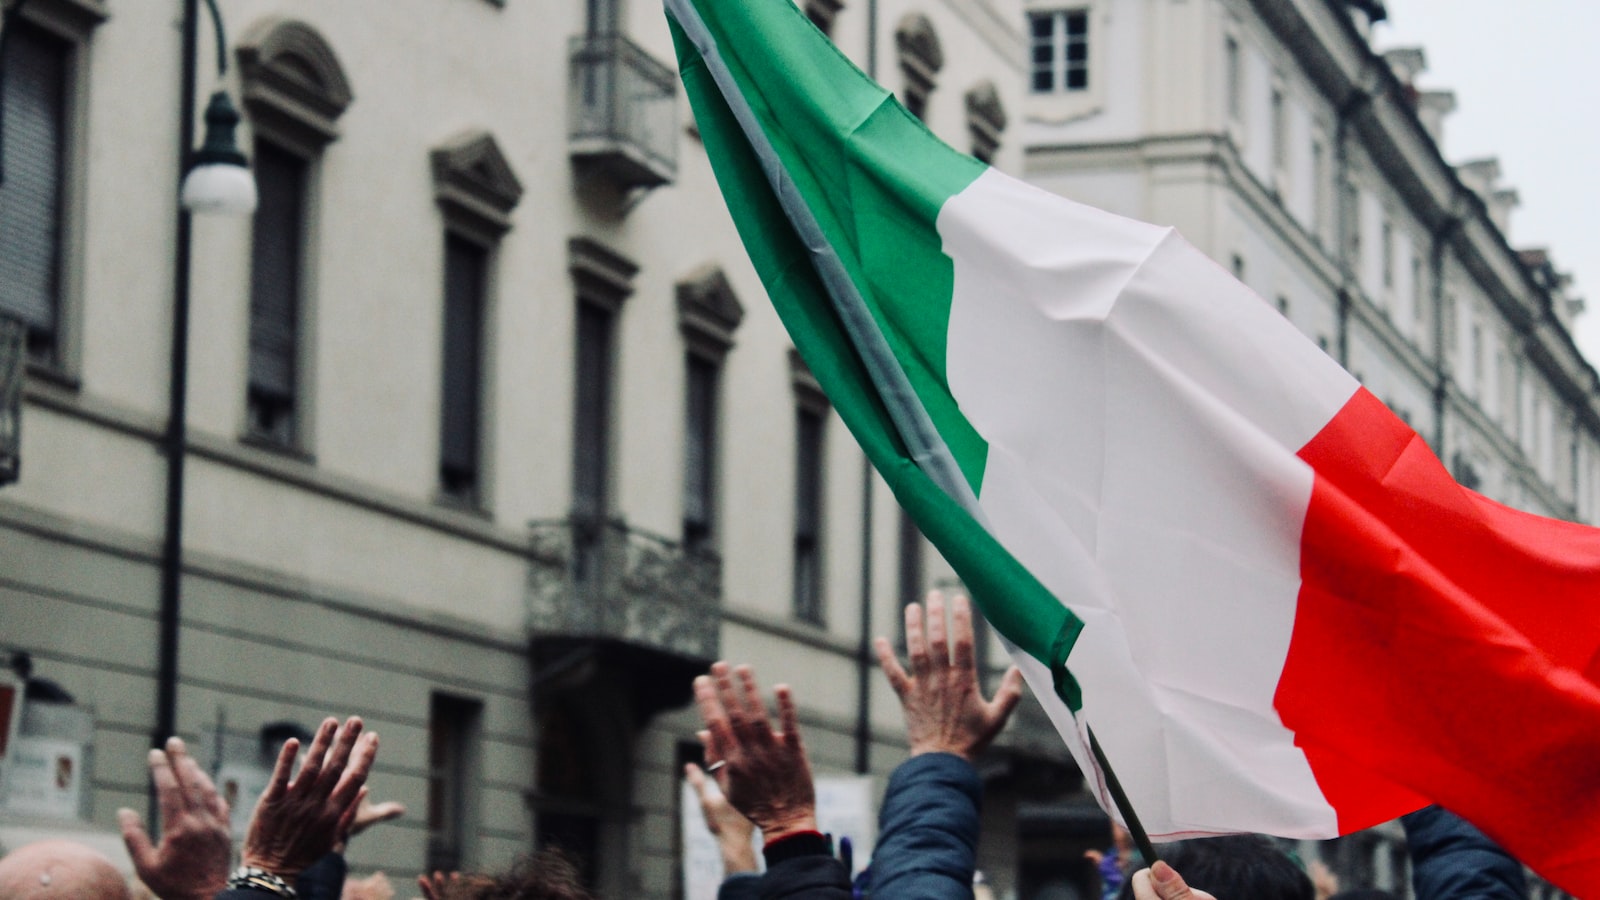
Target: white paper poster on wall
44	777
844	809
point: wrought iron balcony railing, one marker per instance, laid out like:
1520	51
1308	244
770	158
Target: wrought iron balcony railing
627	585
623	111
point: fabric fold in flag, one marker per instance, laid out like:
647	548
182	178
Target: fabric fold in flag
1201	535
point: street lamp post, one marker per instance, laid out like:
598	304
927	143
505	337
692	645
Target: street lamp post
215	179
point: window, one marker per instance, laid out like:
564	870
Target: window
34	140
1233	85
708	315
1479	375
1060	46
1319	191
1388	253
1280	132
466	272
699	451
1419	295
294	92
1352	224
921	58
603	281
811	408
591	439
808	516
453	739
822	13
277	255
476	192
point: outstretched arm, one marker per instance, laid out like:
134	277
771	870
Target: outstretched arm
928	827
764	773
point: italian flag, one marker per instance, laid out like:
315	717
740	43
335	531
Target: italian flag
1202	536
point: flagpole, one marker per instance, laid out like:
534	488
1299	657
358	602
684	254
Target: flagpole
1120	798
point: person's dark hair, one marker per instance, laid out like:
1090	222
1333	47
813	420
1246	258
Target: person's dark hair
1236	866
546	875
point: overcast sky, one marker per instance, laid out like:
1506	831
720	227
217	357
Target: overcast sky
1526	75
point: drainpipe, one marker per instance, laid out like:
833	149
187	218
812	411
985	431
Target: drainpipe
174	441
864	647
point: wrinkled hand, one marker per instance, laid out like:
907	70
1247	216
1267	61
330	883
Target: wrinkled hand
731	829
767	777
1160	882
945	711
373	887
196	847
297	822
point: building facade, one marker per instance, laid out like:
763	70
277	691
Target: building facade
490	436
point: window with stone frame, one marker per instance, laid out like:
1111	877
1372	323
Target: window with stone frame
294	92
708	315
603	280
811	410
43	66
476	192
1058	50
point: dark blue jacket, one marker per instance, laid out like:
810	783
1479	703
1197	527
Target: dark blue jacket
928	830
1451	860
927	843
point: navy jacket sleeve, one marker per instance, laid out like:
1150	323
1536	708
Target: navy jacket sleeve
1451	860
928	830
799	868
740	886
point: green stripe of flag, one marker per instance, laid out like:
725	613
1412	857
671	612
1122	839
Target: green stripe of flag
868	179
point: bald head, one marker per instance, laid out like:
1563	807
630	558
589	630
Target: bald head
59	870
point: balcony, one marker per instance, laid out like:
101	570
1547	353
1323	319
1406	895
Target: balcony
623	112
640	601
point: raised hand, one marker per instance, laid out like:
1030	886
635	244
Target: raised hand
1161	882
298	821
731	829
191	863
765	774
944	708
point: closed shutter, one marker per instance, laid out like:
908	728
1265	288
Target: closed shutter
699	448
592	417
34	137
275	266
464	274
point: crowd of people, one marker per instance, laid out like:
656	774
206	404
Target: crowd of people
757	778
